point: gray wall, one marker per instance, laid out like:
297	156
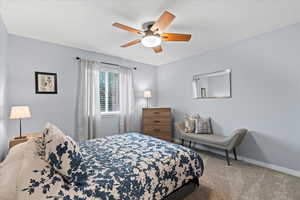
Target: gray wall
266	94
27	56
3	88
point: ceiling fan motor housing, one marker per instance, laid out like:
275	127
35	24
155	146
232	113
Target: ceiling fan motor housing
149	33
147	25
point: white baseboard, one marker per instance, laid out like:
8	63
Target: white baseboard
252	161
272	166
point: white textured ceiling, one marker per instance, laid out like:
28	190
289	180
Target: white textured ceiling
86	24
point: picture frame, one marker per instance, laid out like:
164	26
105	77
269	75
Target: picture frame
45	83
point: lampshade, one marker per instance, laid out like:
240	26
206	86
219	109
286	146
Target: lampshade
20	112
147	94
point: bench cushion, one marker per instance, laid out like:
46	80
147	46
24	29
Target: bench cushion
218	141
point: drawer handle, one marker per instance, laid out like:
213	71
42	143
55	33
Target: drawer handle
156	121
156	113
156	130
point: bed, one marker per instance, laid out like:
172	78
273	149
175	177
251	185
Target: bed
128	166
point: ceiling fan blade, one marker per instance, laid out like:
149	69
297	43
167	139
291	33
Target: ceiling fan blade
175	37
134	42
163	22
127	28
157	49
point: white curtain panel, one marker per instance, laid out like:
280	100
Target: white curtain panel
128	115
88	110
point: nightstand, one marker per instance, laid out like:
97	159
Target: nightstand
15	141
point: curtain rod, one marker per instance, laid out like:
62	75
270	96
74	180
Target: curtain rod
107	63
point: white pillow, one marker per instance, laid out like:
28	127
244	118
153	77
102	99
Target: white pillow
190	123
10	168
33	170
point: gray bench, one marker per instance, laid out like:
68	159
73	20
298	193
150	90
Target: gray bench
226	143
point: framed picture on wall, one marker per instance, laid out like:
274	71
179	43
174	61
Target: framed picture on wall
45	83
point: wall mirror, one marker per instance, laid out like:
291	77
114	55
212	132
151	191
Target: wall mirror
212	85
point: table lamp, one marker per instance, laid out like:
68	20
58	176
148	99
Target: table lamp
147	95
20	112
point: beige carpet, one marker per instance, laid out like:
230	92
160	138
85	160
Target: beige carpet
243	181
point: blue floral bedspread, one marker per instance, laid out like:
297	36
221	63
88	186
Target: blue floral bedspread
129	166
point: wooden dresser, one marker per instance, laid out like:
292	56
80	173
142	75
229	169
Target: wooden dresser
157	122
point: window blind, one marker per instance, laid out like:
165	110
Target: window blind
102	91
109	91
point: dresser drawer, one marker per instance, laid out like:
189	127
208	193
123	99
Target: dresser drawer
157	121
158	112
157	129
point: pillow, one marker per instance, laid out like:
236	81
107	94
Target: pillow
10	175
62	153
36	175
189	123
9	172
203	126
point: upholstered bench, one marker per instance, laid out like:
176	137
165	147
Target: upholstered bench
226	143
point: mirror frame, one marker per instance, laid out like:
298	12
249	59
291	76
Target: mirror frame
211	73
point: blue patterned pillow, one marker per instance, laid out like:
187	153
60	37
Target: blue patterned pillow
63	154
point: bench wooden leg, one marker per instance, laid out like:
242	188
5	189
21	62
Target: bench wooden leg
190	144
227	157
234	152
182	142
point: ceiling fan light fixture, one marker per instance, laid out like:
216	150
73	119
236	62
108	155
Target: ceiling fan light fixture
151	41
153	33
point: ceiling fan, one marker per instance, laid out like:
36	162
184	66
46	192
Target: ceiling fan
154	34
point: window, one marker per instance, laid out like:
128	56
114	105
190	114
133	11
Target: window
109	92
